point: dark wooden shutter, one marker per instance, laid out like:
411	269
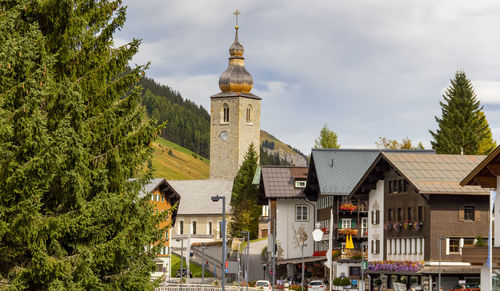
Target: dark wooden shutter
373	217
373	249
461	213
377	216
378	246
477	214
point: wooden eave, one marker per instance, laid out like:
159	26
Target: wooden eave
485	174
312	185
369	180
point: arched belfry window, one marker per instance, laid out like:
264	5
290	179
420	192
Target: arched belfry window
225	113
249	114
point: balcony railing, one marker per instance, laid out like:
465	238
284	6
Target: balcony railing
354	231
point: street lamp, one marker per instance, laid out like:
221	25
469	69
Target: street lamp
223	276
182	248
274	247
317	237
248	256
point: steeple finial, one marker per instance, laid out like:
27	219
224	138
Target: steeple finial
236	78
236	14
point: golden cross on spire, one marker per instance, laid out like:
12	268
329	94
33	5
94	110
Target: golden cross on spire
236	14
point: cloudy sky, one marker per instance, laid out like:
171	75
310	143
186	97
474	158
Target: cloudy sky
365	68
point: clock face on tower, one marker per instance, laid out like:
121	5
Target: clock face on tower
223	135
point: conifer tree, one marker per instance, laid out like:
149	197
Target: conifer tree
244	198
462	127
71	136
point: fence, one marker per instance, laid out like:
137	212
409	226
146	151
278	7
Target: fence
205	288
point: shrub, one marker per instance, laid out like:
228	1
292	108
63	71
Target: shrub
480	241
345	282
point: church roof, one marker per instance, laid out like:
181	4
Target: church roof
195	195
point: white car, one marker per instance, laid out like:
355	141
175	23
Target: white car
316	285
263	285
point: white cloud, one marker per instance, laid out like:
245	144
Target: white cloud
488	92
366	68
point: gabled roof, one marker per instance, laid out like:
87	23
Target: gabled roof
337	171
279	182
162	186
195	195
429	173
485	173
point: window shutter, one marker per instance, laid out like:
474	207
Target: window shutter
373	249
378	246
353	224
447	247
461	213
377	216
477	214
373	217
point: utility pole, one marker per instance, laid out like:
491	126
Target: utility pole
223	267
203	264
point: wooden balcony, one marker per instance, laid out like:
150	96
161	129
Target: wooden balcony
479	255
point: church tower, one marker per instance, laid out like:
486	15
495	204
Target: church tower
234	116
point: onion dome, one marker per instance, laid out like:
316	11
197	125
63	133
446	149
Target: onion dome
236	78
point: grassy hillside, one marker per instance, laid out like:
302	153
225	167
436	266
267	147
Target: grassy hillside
174	162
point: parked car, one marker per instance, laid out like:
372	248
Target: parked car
184	273
466	287
316	285
263	285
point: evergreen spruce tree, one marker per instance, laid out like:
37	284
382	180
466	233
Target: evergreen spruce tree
244	198
462	127
71	136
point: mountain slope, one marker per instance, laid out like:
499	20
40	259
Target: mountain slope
174	162
283	154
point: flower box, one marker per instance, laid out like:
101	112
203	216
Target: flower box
348	207
348	231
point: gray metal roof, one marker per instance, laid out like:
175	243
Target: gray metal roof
195	195
339	170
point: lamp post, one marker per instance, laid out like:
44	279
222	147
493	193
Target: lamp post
247	256
274	247
223	266
317	237
182	248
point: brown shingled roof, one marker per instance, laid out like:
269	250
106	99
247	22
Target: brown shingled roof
279	181
436	174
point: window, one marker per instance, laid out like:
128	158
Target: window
301	213
400	214
162	197
389	248
346	222
390	215
209	227
453	245
375	216
403	246
469	242
300	184
420	213
193	227
249	114
225	113
354	271
469	213
410	213
153	197
398	186
157	197
400	247
181	227
166	235
364	226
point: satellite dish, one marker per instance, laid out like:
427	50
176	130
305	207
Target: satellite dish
317	234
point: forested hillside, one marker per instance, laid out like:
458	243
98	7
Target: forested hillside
187	123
